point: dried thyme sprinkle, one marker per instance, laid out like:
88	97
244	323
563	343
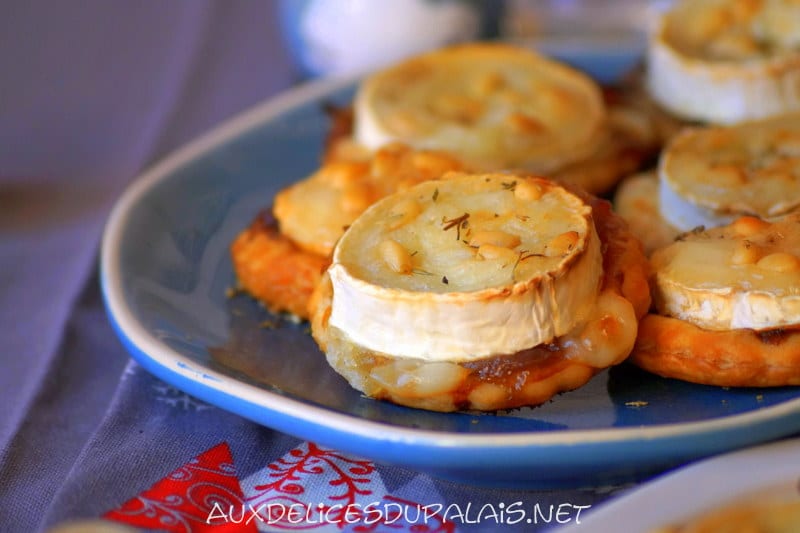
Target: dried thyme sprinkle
445	280
694	231
509	185
458	223
435	194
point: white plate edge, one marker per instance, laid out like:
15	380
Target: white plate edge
694	489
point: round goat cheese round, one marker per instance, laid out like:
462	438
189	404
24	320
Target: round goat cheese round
743	275
726	61
495	106
710	176
466	267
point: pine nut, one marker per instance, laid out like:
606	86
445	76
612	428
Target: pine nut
780	262
747	226
396	257
745	253
729	174
490	251
458	108
526	124
561	244
556	100
494	237
343	174
489	84
403	123
487	396
403	213
527	191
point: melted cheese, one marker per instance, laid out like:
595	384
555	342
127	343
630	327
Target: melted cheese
710	176
743	275
727	61
495	106
486	265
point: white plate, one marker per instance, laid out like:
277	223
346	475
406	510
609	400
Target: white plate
769	471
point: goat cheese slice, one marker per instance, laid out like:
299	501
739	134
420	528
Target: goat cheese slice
495	106
726	61
710	176
467	267
742	275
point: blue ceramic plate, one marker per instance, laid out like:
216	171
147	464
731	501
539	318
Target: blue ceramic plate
166	272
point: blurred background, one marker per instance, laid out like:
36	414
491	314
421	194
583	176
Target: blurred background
61	58
96	88
366	35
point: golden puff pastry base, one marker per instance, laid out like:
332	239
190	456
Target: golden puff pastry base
674	348
274	270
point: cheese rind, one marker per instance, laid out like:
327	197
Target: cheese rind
495	106
726	61
458	304
737	276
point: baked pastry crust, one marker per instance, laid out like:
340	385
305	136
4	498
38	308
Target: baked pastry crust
674	348
273	269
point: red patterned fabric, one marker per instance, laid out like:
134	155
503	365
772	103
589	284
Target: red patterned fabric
309	488
192	499
316	488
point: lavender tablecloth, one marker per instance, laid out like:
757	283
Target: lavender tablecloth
93	92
